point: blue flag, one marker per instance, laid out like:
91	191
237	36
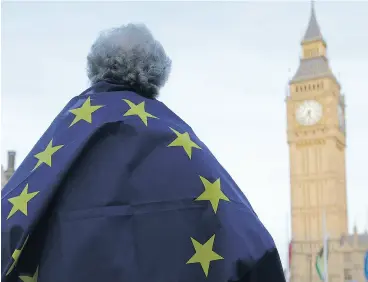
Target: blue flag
119	188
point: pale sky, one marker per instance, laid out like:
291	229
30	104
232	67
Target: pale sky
231	64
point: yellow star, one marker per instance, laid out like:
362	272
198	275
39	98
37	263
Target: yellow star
45	156
15	257
20	203
33	278
204	254
84	112
212	192
138	110
183	140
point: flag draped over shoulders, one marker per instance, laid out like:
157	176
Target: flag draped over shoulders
119	188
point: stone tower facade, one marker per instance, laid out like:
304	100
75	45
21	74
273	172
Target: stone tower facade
316	137
316	134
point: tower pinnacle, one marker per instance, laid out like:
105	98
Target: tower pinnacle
313	31
313	63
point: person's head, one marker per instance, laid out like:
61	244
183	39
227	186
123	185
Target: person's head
130	56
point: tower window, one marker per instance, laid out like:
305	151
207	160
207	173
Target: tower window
305	87
347	274
314	87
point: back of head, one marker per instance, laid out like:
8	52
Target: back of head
129	56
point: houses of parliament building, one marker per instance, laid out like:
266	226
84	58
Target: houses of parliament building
316	135
8	172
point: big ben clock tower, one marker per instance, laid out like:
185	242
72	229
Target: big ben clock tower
316	137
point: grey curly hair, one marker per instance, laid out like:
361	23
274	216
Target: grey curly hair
130	56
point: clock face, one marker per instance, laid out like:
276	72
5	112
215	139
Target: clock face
309	113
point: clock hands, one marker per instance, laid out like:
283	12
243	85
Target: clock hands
309	113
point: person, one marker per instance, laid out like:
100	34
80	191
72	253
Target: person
119	188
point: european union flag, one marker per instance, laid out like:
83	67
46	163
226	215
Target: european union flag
119	188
